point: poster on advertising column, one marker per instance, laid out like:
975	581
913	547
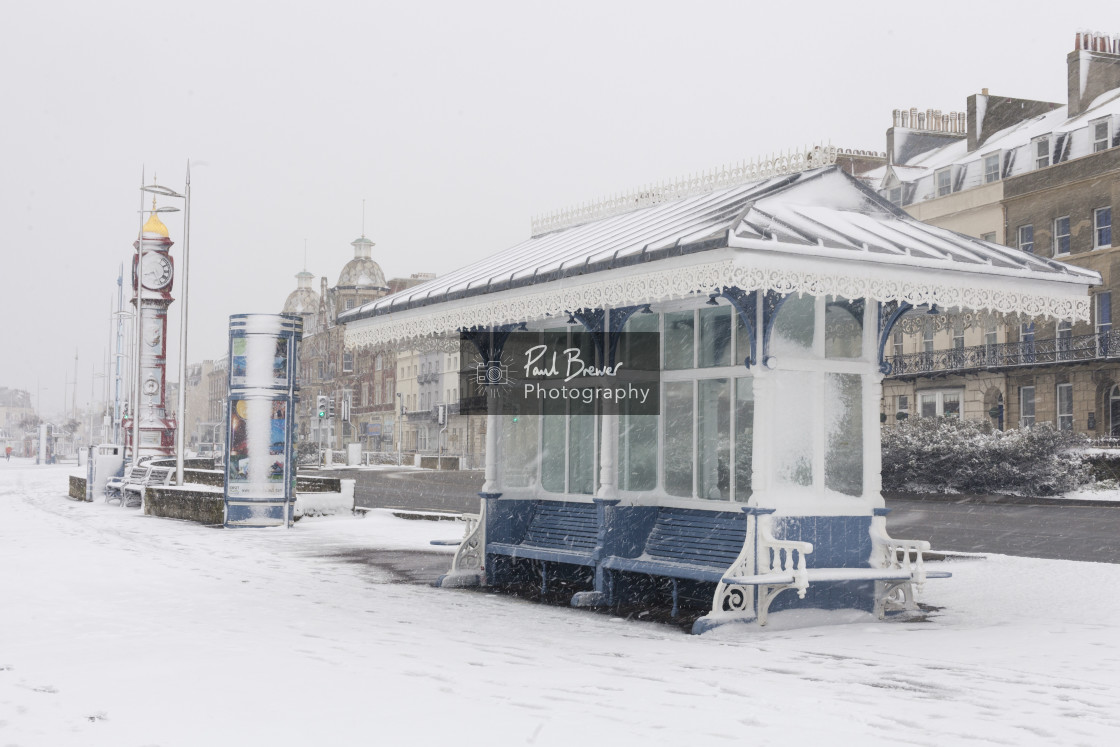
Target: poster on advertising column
260	468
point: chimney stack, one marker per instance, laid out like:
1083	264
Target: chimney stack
1092	68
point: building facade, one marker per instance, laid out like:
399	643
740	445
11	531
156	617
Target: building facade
1044	178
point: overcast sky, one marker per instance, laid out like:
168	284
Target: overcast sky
456	122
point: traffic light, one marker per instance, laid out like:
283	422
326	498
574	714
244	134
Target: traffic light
331	407
321	404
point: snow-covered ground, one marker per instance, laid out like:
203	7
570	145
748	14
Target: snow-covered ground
120	629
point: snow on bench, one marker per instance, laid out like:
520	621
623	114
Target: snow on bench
897	568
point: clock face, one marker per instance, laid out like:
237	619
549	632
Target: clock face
157	270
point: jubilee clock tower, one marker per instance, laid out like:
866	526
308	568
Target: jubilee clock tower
153	270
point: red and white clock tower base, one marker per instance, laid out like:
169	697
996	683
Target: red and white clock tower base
153	268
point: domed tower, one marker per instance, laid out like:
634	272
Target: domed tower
361	280
304	301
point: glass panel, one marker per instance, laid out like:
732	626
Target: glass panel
676	412
843	424
742	341
581	447
641	322
951	405
715	336
679	329
714	444
792	333
929	405
552	446
519	441
637	452
744	436
793	441
843	329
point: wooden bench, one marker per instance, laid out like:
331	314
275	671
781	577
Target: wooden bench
686	544
557	532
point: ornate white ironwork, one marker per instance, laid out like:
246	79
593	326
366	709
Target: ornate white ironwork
466	567
696	184
664	285
898	555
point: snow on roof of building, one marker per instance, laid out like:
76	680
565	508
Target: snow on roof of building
817	231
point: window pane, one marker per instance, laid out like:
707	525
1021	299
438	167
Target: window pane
843	422
951	405
715	336
581	448
792	333
742	341
679	330
843	329
714	444
637	452
793	442
744	436
1061	235
676	414
929	405
1026	406
519	453
1103	221
991	168
552	447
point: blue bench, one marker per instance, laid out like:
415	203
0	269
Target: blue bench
556	532
685	544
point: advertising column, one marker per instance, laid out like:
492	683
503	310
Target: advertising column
263	392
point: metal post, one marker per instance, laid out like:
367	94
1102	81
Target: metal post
400	426
138	329
181	408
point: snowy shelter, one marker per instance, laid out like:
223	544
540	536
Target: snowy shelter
773	291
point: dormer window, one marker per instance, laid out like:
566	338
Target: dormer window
894	194
1101	135
991	168
944	182
1041	152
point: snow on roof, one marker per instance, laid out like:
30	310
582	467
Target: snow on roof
799	232
1021	134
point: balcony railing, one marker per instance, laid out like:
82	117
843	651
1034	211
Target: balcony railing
1009	355
427	378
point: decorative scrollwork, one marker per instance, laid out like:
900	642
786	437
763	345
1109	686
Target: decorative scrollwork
705	279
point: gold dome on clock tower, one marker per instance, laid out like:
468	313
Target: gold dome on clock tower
154	224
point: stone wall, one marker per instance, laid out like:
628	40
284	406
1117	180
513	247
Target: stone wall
77	488
203	506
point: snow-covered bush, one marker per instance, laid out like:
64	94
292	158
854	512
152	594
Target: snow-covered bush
945	455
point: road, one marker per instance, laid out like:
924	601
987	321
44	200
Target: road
1061	532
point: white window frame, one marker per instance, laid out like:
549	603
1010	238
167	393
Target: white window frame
1026	238
1100	143
1064	420
1058	236
1099	225
938	397
894	195
1040	161
347	362
988	172
947	188
1027	421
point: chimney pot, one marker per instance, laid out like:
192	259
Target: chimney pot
984	91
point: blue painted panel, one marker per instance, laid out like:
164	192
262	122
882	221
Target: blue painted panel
257	514
626	529
838	541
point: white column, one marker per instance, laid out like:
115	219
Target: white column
608	456
872	439
492	483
